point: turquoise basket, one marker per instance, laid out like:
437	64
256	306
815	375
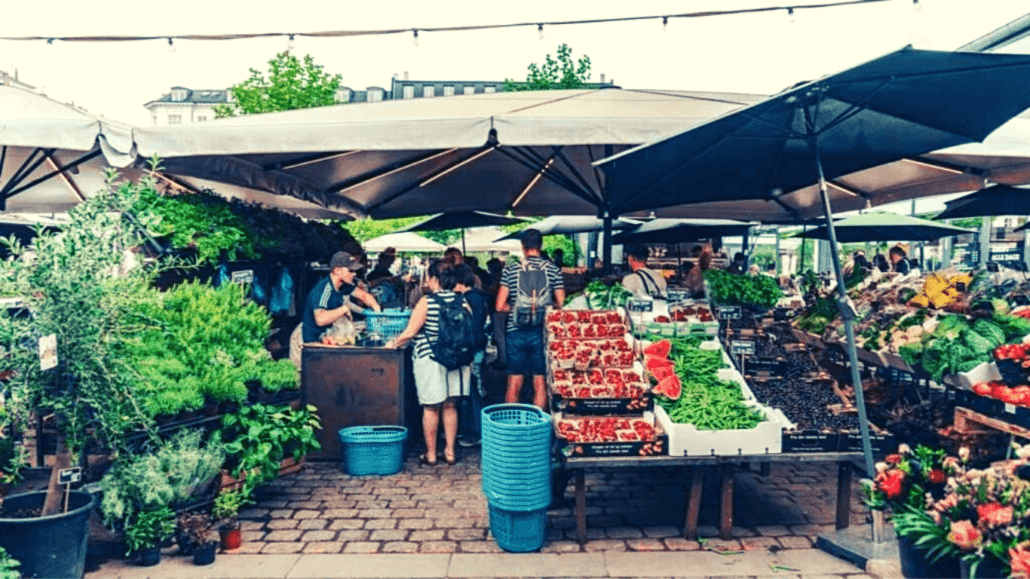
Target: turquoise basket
373	449
388	324
518	532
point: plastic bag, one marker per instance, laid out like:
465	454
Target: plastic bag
343	332
282	292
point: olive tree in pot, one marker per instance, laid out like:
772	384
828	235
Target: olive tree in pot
78	288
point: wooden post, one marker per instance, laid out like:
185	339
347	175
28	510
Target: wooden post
726	501
843	495
697	483
581	506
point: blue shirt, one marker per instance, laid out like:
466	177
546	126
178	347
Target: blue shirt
324	296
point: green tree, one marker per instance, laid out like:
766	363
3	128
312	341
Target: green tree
563	73
365	229
291	84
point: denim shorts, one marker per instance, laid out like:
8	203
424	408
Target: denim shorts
525	351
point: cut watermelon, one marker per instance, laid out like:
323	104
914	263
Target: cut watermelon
659	349
669	387
650	361
661	372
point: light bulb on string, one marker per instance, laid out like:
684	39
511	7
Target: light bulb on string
665	23
790	15
414	39
171	45
291	43
540	31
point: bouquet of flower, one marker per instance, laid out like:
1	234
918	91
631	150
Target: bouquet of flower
905	480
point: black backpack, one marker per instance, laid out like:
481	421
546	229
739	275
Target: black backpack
479	301
454	346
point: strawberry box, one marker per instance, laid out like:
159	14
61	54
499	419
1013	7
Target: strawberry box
600	406
609	435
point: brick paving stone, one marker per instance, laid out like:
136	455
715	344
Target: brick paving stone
773	530
252	525
381	524
646	545
313	524
624	533
409	513
285	535
375	514
400	547
281	514
438	547
794	542
361	547
660	532
282	548
431	535
327	547
338	504
253	513
811	530
340	513
310	504
483	547
306	514
606	521
707	531
605	545
420	524
346	524
758	543
280	524
466	534
248	548
388	535
315	536
403	504
455	523
352	535
563	522
558	547
593	533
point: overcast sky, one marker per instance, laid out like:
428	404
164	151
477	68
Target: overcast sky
759	53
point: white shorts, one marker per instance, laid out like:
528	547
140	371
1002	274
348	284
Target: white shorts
435	384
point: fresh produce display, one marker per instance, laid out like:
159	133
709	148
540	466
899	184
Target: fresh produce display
602	295
595	383
819	316
606	429
957	345
939	292
1016	395
742	290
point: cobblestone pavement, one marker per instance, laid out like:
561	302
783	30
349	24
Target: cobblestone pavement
441	509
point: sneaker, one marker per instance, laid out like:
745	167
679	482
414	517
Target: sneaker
467	441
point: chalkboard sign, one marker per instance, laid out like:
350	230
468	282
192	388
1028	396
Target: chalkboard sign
767	365
67	476
1011	372
742	348
676	295
640	305
729	312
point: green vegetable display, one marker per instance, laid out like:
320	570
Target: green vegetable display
955	346
602	296
743	290
706	402
819	316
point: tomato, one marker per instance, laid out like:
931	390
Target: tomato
1021	394
982	389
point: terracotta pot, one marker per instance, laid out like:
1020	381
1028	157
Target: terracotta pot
232	537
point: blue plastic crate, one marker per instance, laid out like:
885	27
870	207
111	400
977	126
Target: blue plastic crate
518	532
388	324
373	449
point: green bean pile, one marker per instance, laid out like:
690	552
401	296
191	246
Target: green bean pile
706	402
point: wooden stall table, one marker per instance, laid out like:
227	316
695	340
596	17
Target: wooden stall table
701	464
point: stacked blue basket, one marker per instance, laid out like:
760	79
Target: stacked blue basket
517	474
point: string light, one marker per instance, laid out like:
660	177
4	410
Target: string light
540	31
291	44
665	23
414	39
171	45
790	15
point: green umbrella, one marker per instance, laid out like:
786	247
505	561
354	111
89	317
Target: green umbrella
886	227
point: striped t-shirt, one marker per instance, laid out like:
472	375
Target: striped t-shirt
431	329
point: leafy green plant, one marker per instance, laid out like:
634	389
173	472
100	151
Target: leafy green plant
758	290
13	458
172	474
148	529
291	84
553	74
8	566
259	437
228	505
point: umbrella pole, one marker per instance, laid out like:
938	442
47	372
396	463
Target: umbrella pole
847	313
462	241
607	242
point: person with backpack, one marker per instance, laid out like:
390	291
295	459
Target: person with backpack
643	282
527	290
469	417
441	327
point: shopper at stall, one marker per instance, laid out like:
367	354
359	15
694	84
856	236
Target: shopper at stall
485	279
383	264
739	264
880	263
438	389
695	281
454	256
526	291
469	423
327	302
643	282
898	262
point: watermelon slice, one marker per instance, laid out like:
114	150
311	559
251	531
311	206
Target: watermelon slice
659	349
669	387
650	361
661	372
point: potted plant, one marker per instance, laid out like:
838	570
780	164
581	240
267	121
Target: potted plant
227	506
145	531
8	566
904	483
260	439
197	534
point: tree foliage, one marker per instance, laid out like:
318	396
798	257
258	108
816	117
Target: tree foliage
291	84
365	229
554	74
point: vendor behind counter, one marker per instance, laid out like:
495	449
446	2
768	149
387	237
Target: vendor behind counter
641	281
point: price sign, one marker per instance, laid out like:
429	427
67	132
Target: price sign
742	348
677	295
67	476
771	367
640	305
243	276
729	312
48	352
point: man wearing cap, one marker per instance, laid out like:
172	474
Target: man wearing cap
326	302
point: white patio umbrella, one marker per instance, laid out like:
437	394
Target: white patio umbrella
404	241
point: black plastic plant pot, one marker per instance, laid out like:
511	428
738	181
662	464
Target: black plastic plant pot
53	546
149	556
205	554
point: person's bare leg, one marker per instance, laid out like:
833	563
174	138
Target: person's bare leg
430	426
514	388
540	392
450	428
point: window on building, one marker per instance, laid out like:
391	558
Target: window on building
429	91
201	118
469	89
409	91
375	95
174	119
448	90
178	94
489	88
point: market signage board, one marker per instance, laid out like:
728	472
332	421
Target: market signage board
729	312
243	276
640	306
67	476
742	348
677	295
767	365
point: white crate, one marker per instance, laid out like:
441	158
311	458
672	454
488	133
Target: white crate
986	372
686	440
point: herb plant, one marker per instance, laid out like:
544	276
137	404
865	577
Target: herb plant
8	566
259	437
148	529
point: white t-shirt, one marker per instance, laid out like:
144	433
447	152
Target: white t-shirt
645	283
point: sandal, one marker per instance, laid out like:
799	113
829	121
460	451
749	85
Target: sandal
424	459
453	460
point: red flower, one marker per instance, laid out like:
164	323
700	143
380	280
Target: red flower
936	476
1020	559
893	459
994	515
964	535
891	483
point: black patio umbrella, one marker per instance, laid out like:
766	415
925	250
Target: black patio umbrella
885	227
569	224
992	201
903	104
677	230
462	220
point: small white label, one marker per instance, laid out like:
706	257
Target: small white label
1010	408
243	276
67	476
48	352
